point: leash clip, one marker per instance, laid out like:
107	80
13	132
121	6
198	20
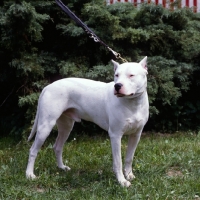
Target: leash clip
117	55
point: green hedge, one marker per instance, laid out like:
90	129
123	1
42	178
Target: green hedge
39	44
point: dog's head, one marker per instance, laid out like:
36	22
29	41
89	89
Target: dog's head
130	78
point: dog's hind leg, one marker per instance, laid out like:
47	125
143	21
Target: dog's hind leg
43	132
65	125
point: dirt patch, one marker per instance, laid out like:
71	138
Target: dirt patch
174	172
40	190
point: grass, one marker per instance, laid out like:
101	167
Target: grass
165	166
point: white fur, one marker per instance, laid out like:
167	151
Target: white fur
122	112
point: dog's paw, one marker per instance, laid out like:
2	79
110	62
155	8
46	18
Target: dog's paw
130	176
125	184
30	176
64	167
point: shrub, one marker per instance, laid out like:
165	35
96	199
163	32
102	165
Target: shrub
40	44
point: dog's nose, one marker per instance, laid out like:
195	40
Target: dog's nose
118	86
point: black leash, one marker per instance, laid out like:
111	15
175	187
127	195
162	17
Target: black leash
86	29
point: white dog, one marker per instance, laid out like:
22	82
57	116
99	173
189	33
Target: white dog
120	107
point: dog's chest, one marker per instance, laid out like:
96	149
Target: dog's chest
135	115
132	124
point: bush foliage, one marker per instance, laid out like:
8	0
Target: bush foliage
39	44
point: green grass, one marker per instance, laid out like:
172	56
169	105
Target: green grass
166	167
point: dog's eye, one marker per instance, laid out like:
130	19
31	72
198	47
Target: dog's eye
116	75
131	75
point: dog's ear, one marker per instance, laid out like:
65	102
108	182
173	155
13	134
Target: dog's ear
116	64
143	63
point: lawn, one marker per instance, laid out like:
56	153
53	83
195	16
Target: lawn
166	167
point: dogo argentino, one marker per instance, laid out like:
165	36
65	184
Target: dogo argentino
120	107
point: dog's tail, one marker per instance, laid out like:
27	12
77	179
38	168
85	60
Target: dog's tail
34	129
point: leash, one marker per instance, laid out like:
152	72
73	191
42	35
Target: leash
87	29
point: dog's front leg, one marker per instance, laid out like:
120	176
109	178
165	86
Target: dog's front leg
117	160
132	144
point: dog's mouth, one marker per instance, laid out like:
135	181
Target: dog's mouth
122	95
